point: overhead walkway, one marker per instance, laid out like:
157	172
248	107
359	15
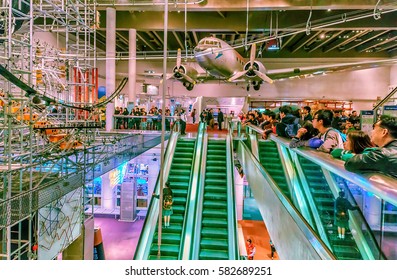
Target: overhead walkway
305	226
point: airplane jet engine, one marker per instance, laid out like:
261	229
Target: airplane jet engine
186	75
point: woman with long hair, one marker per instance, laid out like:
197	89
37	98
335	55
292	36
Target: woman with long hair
357	142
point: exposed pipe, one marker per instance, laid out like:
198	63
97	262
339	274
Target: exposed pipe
148	3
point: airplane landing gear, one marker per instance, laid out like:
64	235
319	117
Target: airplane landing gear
257	86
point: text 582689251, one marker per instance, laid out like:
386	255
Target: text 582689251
251	270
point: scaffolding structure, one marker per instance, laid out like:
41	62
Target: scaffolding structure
45	139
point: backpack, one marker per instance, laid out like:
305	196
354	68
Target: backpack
291	129
167	202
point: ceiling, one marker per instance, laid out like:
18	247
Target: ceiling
303	29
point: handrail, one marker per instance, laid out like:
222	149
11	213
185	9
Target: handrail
331	165
200	196
149	226
379	184
233	248
274	205
192	198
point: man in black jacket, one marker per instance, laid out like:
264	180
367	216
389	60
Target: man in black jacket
220	119
384	159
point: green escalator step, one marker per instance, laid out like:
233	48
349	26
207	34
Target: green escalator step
178	208
215	174
323	200
216	188
346	251
183	172
211	243
179	192
215	204
174	228
178	185
179	200
183	155
155	257
320	192
215	196
166	249
182	160
216	162
211	213
213	181
215	223
213	255
169	238
181	165
177	218
214	232
177	178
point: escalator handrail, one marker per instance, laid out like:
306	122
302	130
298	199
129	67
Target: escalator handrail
192	200
316	243
195	252
325	161
233	249
379	184
149	226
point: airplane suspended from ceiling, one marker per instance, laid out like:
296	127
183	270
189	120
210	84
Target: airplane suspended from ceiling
222	62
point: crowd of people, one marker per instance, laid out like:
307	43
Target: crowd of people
142	120
333	132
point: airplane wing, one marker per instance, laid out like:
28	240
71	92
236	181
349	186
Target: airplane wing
304	72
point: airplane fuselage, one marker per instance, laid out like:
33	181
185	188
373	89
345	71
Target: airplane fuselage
218	58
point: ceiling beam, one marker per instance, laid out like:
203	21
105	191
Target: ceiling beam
305	40
385	39
241	5
221	14
196	40
288	21
364	39
178	40
388	47
326	40
145	41
154	39
338	42
158	37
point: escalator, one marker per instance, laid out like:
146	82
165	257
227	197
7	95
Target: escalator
324	200
270	159
179	179
214	226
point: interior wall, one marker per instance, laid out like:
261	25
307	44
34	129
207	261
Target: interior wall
360	86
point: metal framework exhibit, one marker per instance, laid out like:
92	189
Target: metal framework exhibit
49	140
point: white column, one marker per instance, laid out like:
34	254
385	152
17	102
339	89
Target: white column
107	195
132	68
110	63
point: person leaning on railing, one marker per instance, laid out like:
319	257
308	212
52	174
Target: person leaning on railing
383	159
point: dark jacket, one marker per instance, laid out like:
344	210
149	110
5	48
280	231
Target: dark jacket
280	127
220	117
383	160
341	207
